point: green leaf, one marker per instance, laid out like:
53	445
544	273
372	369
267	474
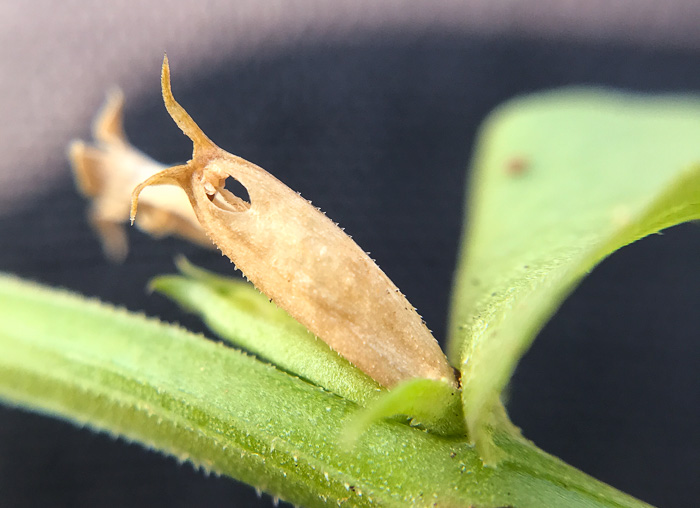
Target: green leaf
231	413
560	181
241	315
432	404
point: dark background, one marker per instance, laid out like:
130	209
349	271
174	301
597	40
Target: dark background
376	126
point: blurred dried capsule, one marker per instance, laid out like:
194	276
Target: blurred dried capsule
108	171
304	262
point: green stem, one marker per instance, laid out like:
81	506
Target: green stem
232	414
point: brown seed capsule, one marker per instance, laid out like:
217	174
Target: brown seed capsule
298	257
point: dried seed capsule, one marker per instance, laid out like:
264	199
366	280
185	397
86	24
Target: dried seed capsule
298	257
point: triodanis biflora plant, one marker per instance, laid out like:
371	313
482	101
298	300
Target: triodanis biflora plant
560	180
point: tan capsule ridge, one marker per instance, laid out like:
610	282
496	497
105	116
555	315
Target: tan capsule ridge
300	259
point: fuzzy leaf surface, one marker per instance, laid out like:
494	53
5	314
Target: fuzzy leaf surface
560	181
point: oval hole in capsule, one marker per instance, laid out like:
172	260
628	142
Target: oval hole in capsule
232	197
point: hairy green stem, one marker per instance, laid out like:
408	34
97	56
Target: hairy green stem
232	414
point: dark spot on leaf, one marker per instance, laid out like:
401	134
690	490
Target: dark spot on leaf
517	166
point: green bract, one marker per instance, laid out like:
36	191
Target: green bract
241	315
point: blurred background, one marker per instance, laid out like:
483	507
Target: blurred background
369	109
